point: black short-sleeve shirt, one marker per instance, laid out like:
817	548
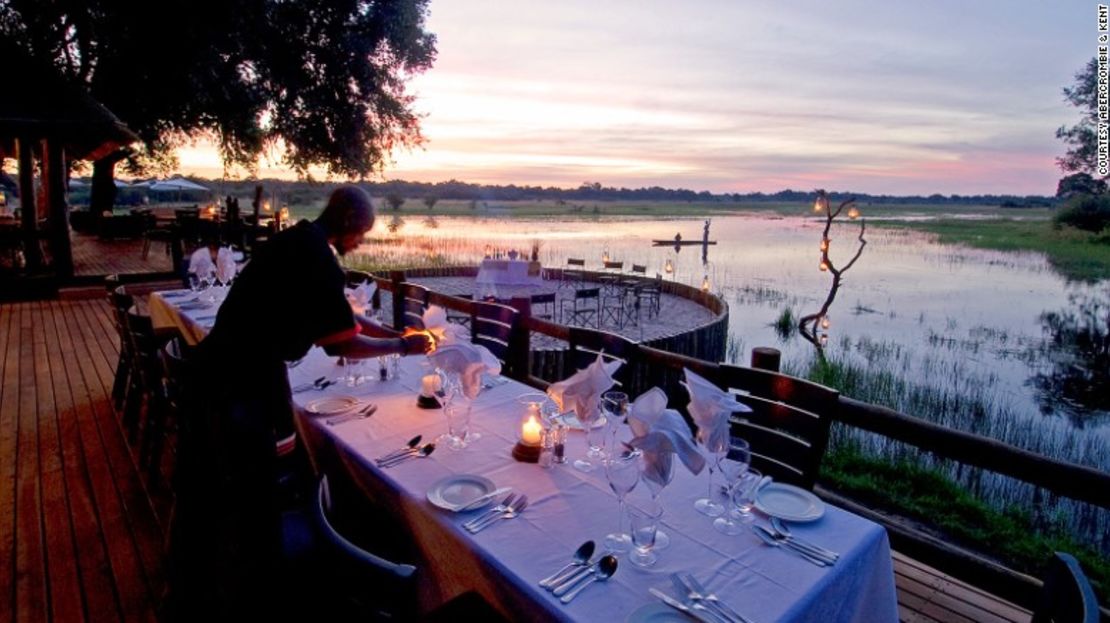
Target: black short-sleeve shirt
287	298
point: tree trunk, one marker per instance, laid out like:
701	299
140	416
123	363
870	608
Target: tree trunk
102	195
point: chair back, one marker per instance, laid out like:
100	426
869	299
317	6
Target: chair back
414	300
543	305
144	349
121	302
614	265
586	294
491	325
788	428
1067	596
576	262
637	269
587	344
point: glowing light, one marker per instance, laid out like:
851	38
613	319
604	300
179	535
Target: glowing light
824	244
824	339
853	213
668	267
821	204
605	256
705	283
824	266
825	322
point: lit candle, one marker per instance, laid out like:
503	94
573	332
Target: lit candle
430	384
531	433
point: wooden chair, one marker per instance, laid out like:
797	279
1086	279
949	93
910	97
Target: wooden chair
543	306
586	344
119	301
583	308
491	326
176	385
458	317
788	428
152	233
146	385
1067	596
414	301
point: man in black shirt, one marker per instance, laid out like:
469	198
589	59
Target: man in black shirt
289	297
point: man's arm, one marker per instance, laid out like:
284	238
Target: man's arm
362	347
373	329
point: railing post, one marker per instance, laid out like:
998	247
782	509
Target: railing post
398	278
766	358
520	339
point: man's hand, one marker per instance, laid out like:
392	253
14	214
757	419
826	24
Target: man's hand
417	343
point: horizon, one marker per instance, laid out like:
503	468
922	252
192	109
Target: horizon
711	96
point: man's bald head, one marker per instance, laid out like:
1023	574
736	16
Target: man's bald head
347	217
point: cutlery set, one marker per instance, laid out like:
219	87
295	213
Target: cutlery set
509	508
583	570
406	454
319	384
778	535
362	413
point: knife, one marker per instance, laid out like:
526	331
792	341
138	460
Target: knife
678	605
481	500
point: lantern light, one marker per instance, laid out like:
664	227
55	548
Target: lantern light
824	244
824	339
853	213
821	204
605	256
668	267
705	283
825	322
824	266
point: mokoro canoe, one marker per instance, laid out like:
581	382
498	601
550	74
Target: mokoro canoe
682	243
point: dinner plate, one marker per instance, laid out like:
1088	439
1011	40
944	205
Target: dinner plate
657	613
454	492
789	502
571	421
332	405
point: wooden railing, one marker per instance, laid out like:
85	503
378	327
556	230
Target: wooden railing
654	367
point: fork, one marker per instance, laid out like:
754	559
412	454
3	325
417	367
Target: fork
698	592
500	508
365	412
515	509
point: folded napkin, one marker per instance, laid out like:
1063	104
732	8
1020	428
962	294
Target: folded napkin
435	322
467	360
360	296
225	265
660	434
711	407
582	391
200	262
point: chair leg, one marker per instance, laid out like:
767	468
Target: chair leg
119	386
132	408
146	247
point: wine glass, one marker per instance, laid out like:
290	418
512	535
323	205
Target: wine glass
732	467
589	421
623	472
615	406
645	523
715	449
743	495
656	477
457	410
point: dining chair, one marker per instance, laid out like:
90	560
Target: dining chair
491	325
153	232
458	317
1067	596
788	428
652	293
585	345
119	301
574	275
414	302
585	307
176	383
145	395
543	306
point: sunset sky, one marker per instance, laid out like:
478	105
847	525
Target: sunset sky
894	97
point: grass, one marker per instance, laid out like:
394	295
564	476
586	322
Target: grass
1078	255
928	496
784	324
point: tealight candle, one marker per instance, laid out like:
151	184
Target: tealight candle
430	384
531	433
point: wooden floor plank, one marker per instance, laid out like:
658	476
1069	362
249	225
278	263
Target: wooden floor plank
31	597
9	455
96	580
61	556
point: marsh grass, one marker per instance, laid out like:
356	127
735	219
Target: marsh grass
785	324
1015	536
1077	255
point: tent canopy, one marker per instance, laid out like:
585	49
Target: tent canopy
177	184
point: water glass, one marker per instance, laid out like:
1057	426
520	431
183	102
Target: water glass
615	407
595	454
354	371
623	472
743	495
715	451
660	476
457	410
645	522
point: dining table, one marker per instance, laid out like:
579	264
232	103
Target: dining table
509	272
566	507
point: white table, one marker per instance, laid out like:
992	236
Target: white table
567	507
509	273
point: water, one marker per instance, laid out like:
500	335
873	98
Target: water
1002	329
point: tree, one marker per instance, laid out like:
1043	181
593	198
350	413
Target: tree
430	201
322	79
1079	184
1082	138
395	201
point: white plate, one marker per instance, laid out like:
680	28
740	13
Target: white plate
657	613
332	405
789	502
572	421
455	492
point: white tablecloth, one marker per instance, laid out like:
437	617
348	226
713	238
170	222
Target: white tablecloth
567	507
509	273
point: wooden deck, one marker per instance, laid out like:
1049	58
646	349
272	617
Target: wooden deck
93	256
82	540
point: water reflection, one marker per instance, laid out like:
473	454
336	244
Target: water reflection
1077	347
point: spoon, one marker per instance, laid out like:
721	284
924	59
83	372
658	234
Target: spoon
769	538
780	527
581	556
605	570
422	452
412	443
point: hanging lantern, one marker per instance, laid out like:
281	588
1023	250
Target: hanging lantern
821	204
824	266
605	256
668	267
705	283
853	213
824	244
825	322
824	339
266	206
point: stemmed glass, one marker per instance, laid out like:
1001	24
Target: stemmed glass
623	472
743	495
733	467
715	449
615	406
456	408
655	484
645	523
589	422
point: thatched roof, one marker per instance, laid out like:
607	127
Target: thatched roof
38	102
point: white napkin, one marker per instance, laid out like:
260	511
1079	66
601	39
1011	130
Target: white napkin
467	360
200	262
359	296
435	322
582	391
710	407
225	265
660	433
